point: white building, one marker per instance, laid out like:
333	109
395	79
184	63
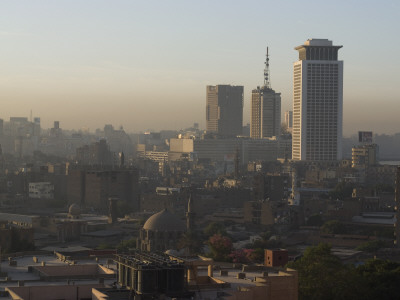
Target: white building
181	148
317	102
181	145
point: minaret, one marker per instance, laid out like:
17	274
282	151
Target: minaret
397	209
237	163
112	210
294	198
121	159
190	214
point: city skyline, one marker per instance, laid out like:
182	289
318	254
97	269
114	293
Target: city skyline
140	65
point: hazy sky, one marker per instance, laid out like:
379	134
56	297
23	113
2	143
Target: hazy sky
145	64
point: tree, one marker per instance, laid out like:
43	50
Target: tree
333	227
220	247
105	246
257	256
191	241
315	220
342	191
371	246
125	245
215	228
242	256
381	278
322	275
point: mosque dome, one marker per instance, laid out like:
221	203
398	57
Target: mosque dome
164	221
74	210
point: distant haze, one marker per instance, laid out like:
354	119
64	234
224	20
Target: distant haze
146	64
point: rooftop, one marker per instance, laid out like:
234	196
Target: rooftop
52	266
318	42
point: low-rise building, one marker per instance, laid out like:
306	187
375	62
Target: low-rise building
42	276
225	150
150	276
15	238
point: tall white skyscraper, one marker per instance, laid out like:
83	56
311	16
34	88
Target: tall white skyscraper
317	102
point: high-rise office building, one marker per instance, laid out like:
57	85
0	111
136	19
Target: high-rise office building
289	120
265	109
224	111
317	102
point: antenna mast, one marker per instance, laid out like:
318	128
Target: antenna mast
267	84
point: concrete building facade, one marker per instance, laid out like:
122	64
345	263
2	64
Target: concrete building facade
41	190
93	188
364	156
289	120
317	102
265	113
224	110
225	149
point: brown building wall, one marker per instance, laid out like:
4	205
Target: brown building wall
258	212
10	236
5	239
75	183
267	186
276	257
66	292
93	188
281	287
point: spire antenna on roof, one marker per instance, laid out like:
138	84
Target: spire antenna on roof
267	83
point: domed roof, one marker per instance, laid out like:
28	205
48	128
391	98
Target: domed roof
164	221
74	210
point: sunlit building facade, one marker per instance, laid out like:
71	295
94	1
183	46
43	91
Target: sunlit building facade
265	113
289	120
224	111
317	102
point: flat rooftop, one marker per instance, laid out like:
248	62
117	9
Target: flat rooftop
74	271
51	292
60	270
318	42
